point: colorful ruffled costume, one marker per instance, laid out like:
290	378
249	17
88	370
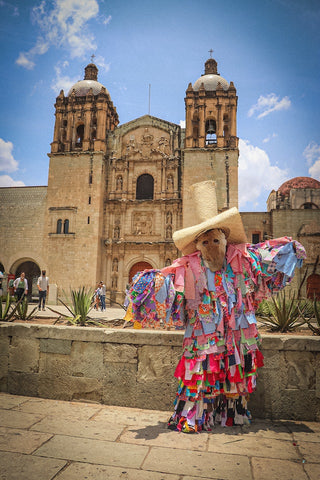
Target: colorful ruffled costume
218	367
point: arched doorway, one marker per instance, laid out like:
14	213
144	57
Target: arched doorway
313	286
138	267
32	272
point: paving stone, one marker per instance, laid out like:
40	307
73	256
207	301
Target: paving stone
198	464
160	436
9	401
78	471
132	416
307	437
250	446
312	470
99	430
88	450
267	429
266	469
310	452
15	419
22	441
15	466
58	407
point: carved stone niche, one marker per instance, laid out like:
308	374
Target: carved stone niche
142	223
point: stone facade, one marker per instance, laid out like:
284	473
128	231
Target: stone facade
135	368
117	192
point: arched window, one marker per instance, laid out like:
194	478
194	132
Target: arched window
145	185
59	225
80	134
66	226
211	132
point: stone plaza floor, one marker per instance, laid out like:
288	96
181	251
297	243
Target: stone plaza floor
49	439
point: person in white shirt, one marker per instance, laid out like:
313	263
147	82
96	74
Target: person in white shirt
43	286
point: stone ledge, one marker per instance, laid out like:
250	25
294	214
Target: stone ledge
93	334
308	343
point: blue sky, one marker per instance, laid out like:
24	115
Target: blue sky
270	49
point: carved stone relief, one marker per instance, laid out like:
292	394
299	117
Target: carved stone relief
142	223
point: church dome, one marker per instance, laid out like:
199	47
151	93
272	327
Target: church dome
211	78
298	182
90	80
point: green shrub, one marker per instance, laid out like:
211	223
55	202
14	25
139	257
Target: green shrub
8	308
284	313
22	310
80	305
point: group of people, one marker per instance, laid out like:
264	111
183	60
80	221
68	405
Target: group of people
100	297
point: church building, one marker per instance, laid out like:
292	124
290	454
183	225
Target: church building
116	192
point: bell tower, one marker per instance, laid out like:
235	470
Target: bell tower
85	120
84	116
211	142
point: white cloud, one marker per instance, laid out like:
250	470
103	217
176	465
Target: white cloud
268	104
269	137
100	62
182	123
62	82
6	181
23	61
64	25
256	174
312	155
106	20
7	161
315	170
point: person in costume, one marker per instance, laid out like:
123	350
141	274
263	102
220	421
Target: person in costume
213	291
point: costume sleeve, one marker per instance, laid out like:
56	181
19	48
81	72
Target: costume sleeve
153	300
264	268
157	297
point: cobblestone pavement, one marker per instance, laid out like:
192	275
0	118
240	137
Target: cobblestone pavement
50	439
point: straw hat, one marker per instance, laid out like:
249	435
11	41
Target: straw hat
205	203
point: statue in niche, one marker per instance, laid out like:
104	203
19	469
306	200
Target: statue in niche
119	182
114	283
169	231
116	232
115	265
169	218
170	182
168	262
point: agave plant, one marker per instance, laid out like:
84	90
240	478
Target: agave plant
284	314
22	310
80	306
8	310
313	328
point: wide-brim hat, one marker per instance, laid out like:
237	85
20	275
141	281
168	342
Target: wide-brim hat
205	203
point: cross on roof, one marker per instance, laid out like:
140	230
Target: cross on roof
92	57
211	52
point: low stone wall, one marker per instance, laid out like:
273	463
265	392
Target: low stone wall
135	368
